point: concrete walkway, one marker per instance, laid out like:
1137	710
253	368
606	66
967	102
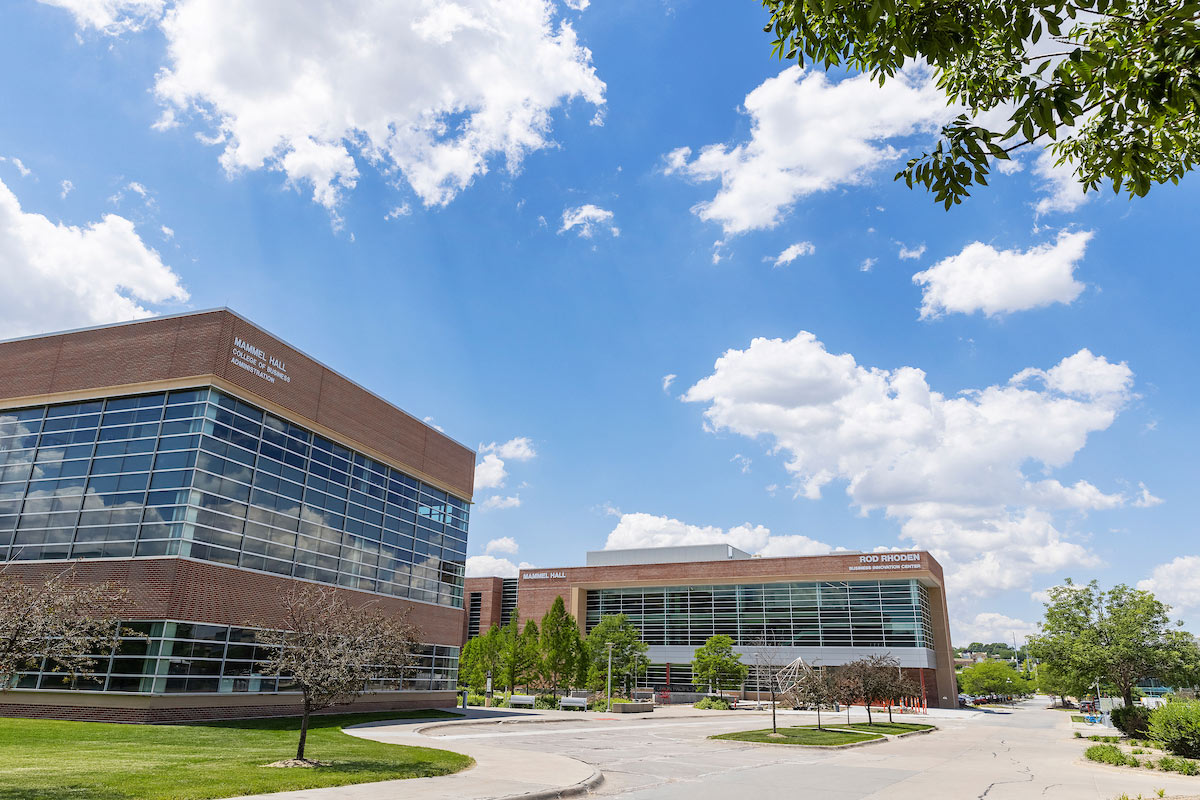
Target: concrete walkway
498	772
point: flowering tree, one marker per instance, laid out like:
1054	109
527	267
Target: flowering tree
59	620
330	649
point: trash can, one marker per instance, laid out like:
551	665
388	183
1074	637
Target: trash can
464	698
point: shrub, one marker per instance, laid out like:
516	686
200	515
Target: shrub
1109	754
475	699
1078	735
545	701
1132	720
1181	765
1177	725
713	704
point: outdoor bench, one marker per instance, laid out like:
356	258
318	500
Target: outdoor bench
573	702
521	700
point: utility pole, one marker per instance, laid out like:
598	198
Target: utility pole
610	646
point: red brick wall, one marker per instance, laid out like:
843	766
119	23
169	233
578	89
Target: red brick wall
177	588
491	590
159	709
199	345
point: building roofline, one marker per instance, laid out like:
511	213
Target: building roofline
252	323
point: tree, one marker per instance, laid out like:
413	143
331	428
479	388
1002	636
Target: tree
559	645
816	687
897	687
58	620
1056	683
846	689
626	641
1120	636
992	677
767	665
873	677
716	665
330	649
1110	85
518	652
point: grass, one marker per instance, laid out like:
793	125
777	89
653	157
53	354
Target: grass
893	728
1078	718
58	760
803	736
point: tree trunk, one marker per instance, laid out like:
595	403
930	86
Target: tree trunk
774	728
303	729
889	713
869	720
1127	694
819	717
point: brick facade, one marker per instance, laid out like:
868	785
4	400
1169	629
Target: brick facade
200	346
490	591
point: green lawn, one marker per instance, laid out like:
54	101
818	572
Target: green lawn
805	736
887	727
1078	718
53	760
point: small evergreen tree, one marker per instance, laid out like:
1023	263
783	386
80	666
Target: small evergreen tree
559	645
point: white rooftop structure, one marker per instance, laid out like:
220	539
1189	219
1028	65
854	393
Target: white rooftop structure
664	555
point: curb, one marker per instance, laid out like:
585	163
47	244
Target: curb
882	739
574	790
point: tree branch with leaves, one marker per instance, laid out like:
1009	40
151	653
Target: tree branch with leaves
1116	96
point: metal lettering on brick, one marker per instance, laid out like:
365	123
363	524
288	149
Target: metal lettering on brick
256	361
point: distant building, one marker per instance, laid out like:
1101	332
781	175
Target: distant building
828	610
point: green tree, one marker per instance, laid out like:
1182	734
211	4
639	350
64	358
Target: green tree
1111	86
1053	681
1120	637
559	645
716	665
627	644
993	677
517	652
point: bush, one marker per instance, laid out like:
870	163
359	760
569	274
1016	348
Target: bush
713	704
1109	754
475	699
1131	721
1177	725
1181	765
545	701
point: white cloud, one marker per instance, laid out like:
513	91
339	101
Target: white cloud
588	219
911	253
667	380
490	566
867	264
490	472
1145	499
742	461
66	187
991	627
429	421
436	93
809	134
55	276
792	252
1061	189
19	164
1175	582
952	469
982	278
648	530
500	502
578	5
519	448
505	544
112	17
402	210
169	233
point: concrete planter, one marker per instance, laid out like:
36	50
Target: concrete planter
633	708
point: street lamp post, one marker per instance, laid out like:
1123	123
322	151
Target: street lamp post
610	647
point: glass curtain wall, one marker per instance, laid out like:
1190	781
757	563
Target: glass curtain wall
203	474
194	658
826	614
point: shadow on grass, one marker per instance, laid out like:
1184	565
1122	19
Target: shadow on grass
60	793
322	721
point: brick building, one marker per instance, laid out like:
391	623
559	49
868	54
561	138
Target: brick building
828	610
209	468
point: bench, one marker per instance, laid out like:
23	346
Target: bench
573	702
521	700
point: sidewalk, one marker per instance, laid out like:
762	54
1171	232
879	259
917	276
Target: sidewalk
498	772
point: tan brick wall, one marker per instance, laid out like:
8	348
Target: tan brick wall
200	346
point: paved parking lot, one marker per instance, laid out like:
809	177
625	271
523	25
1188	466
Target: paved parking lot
1026	752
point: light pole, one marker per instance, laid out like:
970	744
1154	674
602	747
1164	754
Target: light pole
610	647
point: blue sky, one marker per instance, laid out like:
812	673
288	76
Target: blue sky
484	212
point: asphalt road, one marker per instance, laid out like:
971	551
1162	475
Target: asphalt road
1025	752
